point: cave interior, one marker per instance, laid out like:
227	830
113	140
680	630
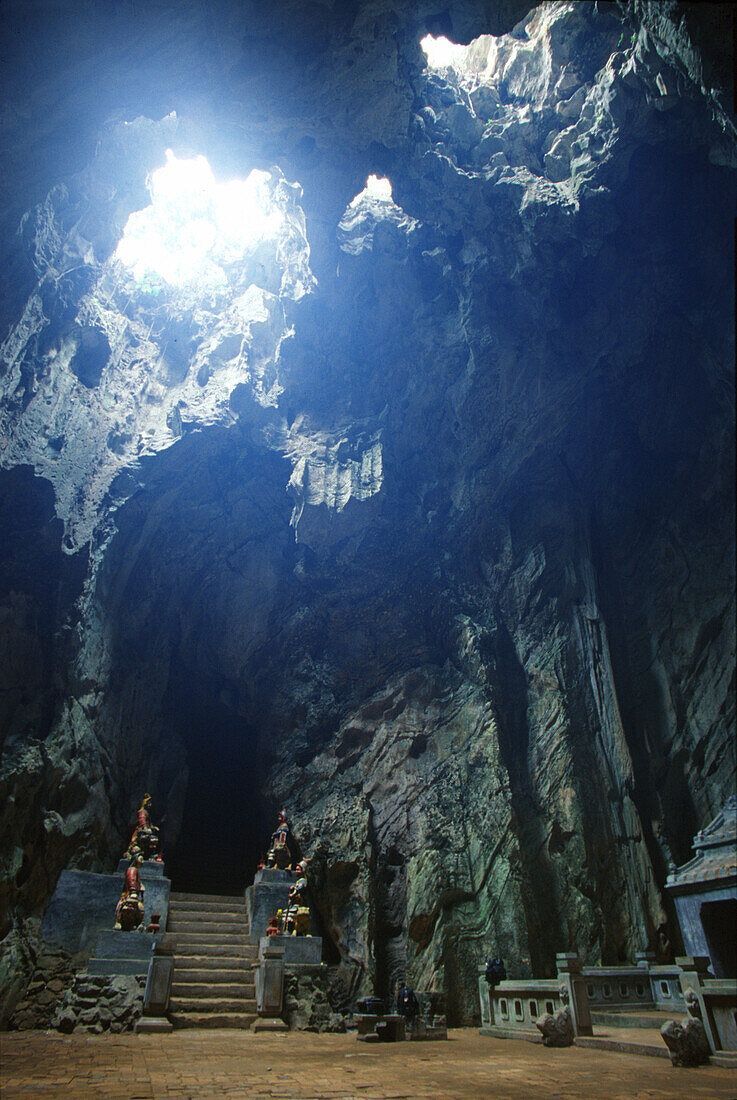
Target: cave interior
367	446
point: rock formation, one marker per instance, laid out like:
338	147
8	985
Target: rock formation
417	516
687	1042
556	1029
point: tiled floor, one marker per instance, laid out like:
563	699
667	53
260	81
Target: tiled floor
206	1064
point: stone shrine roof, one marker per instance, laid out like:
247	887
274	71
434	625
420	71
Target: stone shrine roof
715	860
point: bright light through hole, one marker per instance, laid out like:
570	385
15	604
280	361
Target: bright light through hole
195	226
377	188
441	52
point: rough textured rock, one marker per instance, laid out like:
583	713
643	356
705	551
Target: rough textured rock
686	1041
17	959
309	1001
424	527
95	1004
52	976
556	1028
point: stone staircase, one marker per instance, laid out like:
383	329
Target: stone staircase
213	983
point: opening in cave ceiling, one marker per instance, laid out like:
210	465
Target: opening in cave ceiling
498	429
196	227
378	189
188	310
441	53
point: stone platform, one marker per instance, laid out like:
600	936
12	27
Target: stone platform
83	906
118	952
269	892
298	950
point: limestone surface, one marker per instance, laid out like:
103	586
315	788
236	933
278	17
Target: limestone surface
95	1004
420	521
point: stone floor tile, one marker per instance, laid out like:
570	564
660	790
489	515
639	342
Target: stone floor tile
187	1065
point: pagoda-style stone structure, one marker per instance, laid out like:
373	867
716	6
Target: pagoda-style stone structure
705	893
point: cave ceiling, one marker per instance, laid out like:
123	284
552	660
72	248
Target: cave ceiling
411	510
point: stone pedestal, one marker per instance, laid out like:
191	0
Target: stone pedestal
270	891
83	905
118	952
298	950
156	892
389	1028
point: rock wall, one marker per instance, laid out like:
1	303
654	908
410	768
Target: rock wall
52	976
95	1004
424	528
308	1002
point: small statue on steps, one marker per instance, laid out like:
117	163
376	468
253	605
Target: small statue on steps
273	928
297	913
279	855
129	910
145	839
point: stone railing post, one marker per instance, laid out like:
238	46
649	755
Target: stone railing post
486	999
157	992
269	975
573	990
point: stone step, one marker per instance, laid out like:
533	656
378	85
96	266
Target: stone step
218	964
645	1018
236	900
239	1020
202	912
232	976
203	990
208	918
207	912
233	940
211	1006
199	900
206	928
246	951
626	1041
197	988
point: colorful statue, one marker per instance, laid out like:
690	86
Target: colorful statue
279	855
297	913
273	928
129	910
145	839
